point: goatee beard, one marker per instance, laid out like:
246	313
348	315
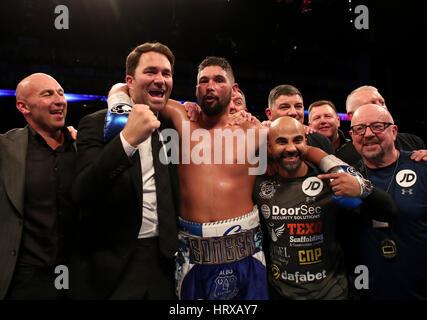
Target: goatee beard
291	166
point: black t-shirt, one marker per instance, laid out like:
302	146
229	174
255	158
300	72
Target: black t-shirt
304	258
318	140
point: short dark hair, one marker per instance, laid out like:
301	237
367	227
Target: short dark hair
217	61
132	59
321	103
283	89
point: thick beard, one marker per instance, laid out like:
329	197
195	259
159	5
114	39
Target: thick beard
290	166
217	109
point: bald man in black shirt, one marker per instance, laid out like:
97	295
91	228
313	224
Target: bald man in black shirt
36	211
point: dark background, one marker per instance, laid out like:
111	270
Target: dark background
268	42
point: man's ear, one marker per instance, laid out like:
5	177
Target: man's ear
395	130
351	134
129	81
268	113
22	107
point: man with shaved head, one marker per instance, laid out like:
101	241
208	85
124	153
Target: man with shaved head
36	211
406	141
393	252
300	216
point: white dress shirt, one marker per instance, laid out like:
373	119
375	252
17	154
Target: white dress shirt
150	223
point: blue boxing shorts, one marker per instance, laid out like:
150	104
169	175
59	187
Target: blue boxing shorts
221	260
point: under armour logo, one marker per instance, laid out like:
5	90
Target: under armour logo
407	191
310	199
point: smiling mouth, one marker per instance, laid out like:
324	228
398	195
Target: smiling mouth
370	146
57	112
157	93
291	157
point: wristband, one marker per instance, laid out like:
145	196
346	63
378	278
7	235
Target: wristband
329	162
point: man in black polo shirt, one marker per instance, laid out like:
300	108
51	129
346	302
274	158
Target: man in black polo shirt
36	211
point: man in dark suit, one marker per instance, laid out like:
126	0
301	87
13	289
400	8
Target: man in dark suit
129	217
36	211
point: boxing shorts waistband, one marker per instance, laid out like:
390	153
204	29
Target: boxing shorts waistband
225	249
222	227
224	241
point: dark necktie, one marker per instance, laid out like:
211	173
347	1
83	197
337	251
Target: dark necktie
166	210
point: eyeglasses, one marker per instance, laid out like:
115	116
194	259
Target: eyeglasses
376	127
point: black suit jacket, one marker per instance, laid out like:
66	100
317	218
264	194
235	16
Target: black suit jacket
13	153
108	189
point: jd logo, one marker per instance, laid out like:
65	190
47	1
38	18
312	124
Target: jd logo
406	178
312	186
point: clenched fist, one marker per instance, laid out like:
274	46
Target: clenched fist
140	125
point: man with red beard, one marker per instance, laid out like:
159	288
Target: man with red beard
305	260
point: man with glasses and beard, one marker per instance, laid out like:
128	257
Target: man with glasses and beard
393	252
305	259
